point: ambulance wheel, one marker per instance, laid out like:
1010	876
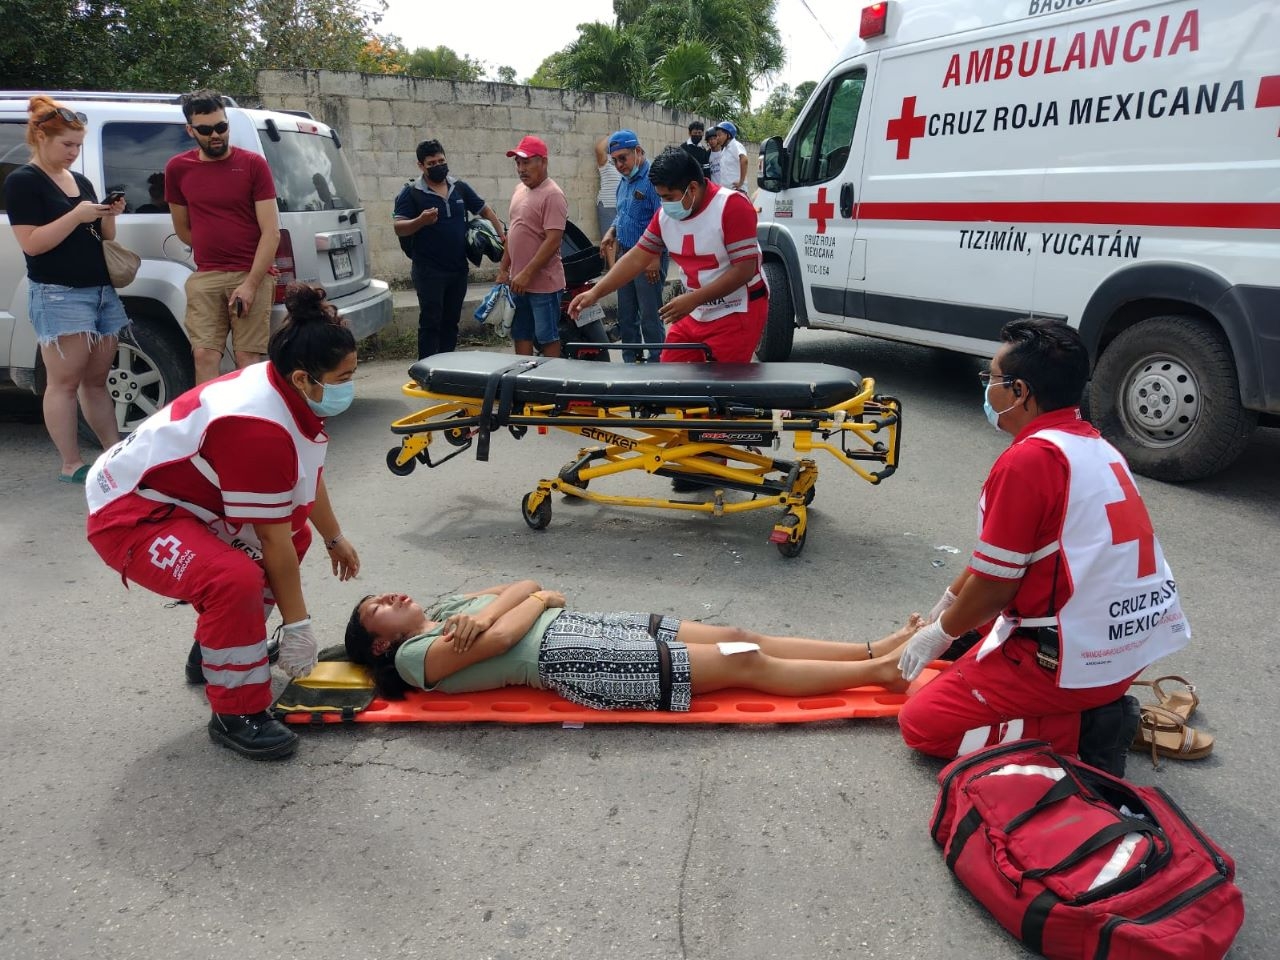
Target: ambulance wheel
792	548
780	327
399	469
1165	393
538	518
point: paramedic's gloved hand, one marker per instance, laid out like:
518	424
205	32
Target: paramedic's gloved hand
298	648
941	606
927	645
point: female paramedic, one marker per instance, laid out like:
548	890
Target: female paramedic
208	502
521	635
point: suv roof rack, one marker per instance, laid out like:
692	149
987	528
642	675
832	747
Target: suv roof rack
108	96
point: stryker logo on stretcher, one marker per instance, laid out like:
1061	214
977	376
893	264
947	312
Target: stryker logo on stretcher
1085	50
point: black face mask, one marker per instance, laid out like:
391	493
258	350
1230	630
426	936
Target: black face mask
438	173
695	137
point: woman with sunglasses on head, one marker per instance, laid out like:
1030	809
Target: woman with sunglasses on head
518	634
60	225
209	502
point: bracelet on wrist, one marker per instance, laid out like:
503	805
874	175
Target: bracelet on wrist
330	544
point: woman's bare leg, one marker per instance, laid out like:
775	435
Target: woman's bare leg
96	404
798	648
65	362
710	670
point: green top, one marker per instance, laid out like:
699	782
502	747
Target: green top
517	667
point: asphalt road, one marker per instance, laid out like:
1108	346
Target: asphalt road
127	834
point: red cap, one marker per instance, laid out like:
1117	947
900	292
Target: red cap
530	146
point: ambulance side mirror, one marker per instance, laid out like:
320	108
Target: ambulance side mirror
773	166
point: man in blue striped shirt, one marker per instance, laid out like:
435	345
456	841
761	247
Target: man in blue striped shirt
639	299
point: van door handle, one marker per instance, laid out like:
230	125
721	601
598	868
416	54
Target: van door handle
846	200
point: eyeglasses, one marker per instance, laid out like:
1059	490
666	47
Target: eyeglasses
70	116
208	130
987	376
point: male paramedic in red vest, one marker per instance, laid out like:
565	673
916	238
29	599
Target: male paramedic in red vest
1067	567
711	233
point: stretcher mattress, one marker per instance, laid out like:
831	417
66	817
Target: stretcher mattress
527	705
789	386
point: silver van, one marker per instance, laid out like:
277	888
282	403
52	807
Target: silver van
129	140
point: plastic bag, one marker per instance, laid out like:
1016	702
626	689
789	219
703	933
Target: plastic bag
498	309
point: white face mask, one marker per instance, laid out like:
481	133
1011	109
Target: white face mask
994	415
675	209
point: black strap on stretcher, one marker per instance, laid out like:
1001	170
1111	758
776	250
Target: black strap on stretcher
506	380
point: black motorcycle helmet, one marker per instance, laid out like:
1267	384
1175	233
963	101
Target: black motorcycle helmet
482	241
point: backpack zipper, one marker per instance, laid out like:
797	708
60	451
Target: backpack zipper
1171	906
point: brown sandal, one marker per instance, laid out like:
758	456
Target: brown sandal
1182	703
1166	734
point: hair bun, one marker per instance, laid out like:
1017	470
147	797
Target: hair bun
306	304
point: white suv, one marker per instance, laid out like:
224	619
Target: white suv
129	140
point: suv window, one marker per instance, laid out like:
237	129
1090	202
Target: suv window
822	143
310	172
133	159
14	151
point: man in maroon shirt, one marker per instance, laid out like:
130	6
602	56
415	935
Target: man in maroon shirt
223	203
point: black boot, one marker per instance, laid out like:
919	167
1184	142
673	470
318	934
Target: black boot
258	736
1107	732
195	663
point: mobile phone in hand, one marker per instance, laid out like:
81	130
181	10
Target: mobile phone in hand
239	306
114	196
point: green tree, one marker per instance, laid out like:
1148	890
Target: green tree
177	44
506	74
550	72
687	77
443	63
604	59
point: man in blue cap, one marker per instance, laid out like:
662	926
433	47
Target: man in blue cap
638	299
729	161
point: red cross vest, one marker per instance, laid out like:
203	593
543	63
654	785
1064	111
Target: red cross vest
162	440
1123	612
697	245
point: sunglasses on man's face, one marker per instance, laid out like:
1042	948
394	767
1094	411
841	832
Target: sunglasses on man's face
208	130
70	116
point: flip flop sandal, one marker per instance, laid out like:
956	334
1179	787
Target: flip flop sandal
78	477
1183	703
1166	734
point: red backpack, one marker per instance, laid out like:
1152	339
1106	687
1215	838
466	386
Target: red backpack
1080	865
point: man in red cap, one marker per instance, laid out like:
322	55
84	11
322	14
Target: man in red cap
531	261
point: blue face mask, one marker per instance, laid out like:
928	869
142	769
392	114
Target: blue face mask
675	209
993	415
337	397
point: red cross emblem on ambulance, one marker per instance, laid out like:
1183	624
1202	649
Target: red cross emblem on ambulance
906	127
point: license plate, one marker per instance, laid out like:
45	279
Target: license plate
341	260
591	313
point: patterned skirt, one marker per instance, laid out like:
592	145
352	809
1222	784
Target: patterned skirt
613	661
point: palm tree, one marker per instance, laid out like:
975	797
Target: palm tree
604	58
688	77
444	64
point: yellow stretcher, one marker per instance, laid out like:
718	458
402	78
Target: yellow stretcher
713	423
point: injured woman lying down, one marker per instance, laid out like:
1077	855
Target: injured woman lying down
521	635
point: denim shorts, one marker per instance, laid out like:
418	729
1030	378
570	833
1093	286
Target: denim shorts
537	317
58	311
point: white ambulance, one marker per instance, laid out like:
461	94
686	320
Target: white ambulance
1112	162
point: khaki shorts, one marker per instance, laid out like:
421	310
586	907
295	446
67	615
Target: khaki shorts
208	319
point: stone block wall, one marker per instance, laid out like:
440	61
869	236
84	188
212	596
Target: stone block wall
381	119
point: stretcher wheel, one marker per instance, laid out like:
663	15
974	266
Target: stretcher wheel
457	436
540	516
399	469
792	548
569	474
809	495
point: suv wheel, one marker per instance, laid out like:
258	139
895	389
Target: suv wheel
153	365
